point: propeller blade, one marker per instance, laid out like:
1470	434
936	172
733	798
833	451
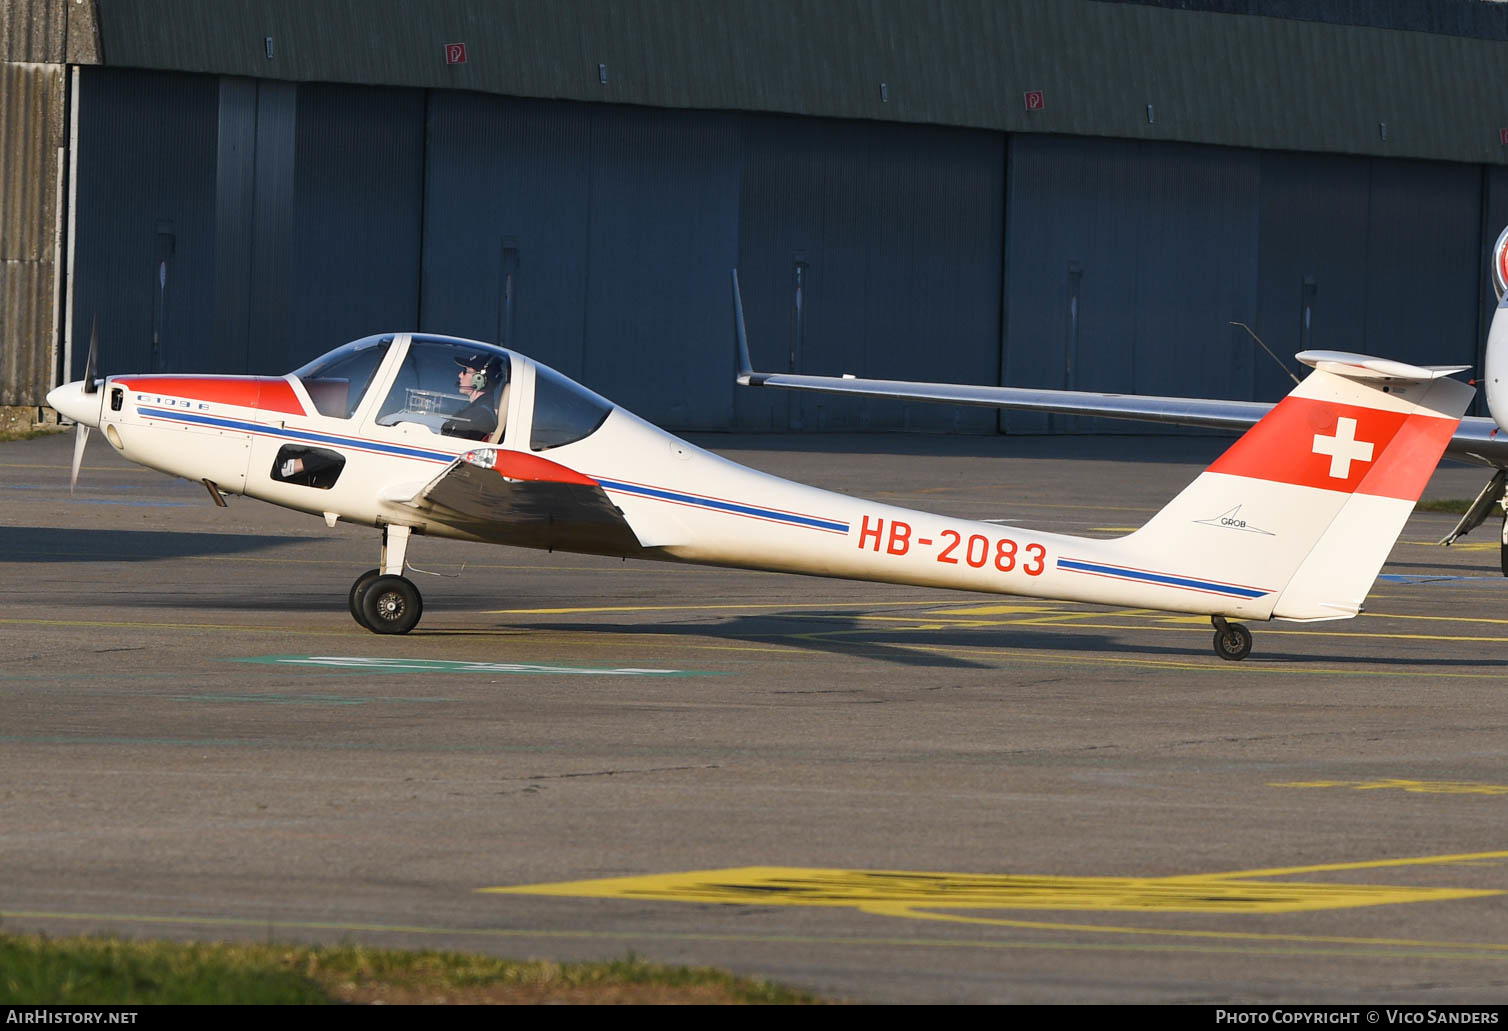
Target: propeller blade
90	365
80	438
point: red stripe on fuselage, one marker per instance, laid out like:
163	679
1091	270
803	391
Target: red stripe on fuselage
1293	444
264	393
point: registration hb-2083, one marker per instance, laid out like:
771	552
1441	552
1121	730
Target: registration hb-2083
954	548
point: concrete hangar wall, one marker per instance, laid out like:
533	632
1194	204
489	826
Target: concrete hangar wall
257	182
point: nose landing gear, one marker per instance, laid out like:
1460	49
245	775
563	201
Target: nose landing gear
384	600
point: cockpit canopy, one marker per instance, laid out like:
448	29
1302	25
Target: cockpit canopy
337	381
455	388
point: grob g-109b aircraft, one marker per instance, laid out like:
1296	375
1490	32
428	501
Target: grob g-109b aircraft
1292	522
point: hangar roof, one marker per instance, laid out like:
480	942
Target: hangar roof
1385	77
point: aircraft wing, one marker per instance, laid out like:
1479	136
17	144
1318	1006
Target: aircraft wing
506	497
1183	411
1477	440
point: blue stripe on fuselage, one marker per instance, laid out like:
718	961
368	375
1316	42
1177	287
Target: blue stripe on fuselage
716	505
1161	579
307	436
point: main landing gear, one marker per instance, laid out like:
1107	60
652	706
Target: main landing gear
1492	496
1232	640
384	600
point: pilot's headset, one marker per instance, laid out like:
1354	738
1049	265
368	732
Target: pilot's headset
489	376
488	367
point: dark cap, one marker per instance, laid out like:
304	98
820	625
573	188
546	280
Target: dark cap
481	361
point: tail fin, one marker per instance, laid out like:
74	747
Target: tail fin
1309	502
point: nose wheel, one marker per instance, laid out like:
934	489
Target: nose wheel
383	600
1232	640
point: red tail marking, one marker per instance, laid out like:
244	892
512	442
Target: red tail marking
1303	442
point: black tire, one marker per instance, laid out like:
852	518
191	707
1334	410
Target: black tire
1503	547
1233	643
357	590
391	605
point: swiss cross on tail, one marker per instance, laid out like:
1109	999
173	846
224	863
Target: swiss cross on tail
1347	438
1343	448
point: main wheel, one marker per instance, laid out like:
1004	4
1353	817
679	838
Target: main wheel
391	605
1233	643
357	590
1503	547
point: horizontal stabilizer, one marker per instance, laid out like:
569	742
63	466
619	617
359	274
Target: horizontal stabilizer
1360	366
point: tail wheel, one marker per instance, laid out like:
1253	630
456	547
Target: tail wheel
391	605
1232	642
358	589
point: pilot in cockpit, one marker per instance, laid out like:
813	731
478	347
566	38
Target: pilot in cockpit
480	376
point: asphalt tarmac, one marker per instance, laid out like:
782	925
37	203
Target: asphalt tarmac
878	794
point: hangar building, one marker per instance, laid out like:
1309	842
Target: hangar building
1068	193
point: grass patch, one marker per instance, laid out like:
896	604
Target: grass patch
1455	506
111	971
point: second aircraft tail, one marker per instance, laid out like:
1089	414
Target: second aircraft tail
1299	515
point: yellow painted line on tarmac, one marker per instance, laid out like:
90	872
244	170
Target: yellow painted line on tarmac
655	568
799	886
1418	787
996	610
1370	864
928	896
1441	619
1071	621
702	608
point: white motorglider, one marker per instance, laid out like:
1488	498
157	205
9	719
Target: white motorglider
1294	521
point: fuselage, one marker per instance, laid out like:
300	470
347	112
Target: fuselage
372	427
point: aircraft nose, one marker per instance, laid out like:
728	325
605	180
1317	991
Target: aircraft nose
71	402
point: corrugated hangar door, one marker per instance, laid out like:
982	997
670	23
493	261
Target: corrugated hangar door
1129	261
596	239
871	249
144	251
236	225
352	268
1126	263
1369	255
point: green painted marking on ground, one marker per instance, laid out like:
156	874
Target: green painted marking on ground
296	699
372	664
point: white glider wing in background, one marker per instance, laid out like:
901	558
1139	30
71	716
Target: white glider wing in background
1476	440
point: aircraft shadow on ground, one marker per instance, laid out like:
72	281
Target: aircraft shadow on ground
928	648
55	544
